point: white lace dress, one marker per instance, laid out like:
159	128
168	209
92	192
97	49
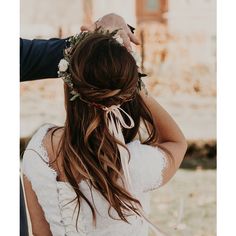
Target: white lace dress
146	166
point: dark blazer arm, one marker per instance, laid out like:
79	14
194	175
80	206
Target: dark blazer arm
39	58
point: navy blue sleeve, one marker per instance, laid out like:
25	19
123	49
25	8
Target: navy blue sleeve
39	58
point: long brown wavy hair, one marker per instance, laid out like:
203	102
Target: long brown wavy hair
103	72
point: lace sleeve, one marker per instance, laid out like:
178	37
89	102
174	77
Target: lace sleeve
147	165
35	156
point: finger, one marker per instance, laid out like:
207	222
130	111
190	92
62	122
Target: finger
133	39
131	36
88	27
126	40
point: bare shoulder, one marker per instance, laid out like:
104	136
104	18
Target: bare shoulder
51	141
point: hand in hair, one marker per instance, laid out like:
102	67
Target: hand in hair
111	22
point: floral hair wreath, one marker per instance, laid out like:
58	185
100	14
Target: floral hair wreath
64	63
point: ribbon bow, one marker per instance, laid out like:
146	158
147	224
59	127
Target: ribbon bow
115	122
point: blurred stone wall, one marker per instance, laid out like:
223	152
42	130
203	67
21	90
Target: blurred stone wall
180	56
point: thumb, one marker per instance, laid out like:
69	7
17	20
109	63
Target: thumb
133	39
87	27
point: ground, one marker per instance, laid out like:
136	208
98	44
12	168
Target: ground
189	199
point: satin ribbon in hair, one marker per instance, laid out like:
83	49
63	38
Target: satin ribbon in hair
115	122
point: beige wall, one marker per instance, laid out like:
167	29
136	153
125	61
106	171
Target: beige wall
189	16
125	8
43	18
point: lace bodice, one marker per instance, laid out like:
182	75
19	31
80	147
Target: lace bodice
146	166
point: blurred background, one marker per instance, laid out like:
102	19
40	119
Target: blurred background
179	55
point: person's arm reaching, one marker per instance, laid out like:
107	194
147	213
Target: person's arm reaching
170	136
39	58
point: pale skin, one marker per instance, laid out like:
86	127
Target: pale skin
170	134
111	22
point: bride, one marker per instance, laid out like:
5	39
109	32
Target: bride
93	175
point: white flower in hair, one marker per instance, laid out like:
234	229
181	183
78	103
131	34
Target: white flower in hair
63	65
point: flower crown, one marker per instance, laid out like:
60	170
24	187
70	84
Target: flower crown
64	63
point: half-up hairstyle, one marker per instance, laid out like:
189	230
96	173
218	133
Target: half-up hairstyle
103	73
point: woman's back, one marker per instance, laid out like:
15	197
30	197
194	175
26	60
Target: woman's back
56	196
